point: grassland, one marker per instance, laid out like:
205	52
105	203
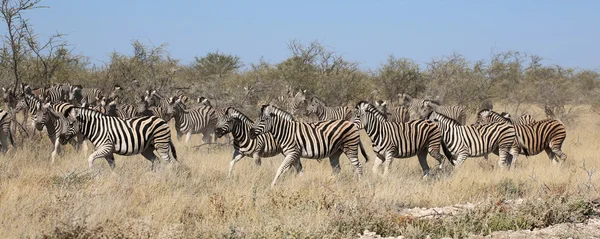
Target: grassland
194	198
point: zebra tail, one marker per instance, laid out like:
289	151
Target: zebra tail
447	152
173	149
363	152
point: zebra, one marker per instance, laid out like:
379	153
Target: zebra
39	93
29	103
398	140
10	101
534	137
455	112
56	94
486	116
193	121
420	108
56	125
296	102
156	104
323	112
462	141
115	93
79	95
310	140
395	114
235	122
112	135
5	132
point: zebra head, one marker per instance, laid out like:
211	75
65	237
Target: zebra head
313	106
365	113
297	102
269	114
483	117
115	92
73	128
142	105
204	101
225	121
41	117
9	97
75	94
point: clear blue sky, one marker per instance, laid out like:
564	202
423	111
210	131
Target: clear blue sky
563	32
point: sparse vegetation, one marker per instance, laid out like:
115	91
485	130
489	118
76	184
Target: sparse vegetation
194	198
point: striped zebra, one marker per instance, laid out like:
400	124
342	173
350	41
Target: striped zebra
156	104
29	103
115	93
534	137
297	102
395	114
420	109
56	94
455	112
10	101
39	93
5	132
398	140
235	122
193	121
79	95
461	141
323	112
310	140
486	116
113	135
56	124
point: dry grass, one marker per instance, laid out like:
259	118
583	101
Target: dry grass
195	198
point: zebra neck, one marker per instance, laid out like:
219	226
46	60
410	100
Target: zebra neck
320	112
240	131
372	127
283	130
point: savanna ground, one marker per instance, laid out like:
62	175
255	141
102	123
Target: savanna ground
194	198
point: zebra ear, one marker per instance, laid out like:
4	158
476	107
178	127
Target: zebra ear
384	103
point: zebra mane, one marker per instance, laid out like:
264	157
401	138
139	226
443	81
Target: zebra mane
319	100
371	109
277	111
444	117
240	116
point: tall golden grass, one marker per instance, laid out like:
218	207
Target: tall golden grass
194	198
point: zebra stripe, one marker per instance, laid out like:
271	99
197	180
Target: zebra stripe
310	140
235	122
29	104
395	114
323	112
5	132
398	140
194	121
533	138
460	141
112	135
56	94
56	124
79	95
455	112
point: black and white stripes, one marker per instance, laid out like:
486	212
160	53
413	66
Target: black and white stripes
310	140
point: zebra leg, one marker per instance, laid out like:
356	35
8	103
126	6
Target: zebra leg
257	158
334	160
505	159
387	163
559	153
4	141
148	153
435	153
206	137
298	166
287	162
422	156
110	159
460	159
378	161
237	156
188	135
56	149
514	152
551	155
101	152
352	154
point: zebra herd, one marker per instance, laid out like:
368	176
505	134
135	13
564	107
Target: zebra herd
411	127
